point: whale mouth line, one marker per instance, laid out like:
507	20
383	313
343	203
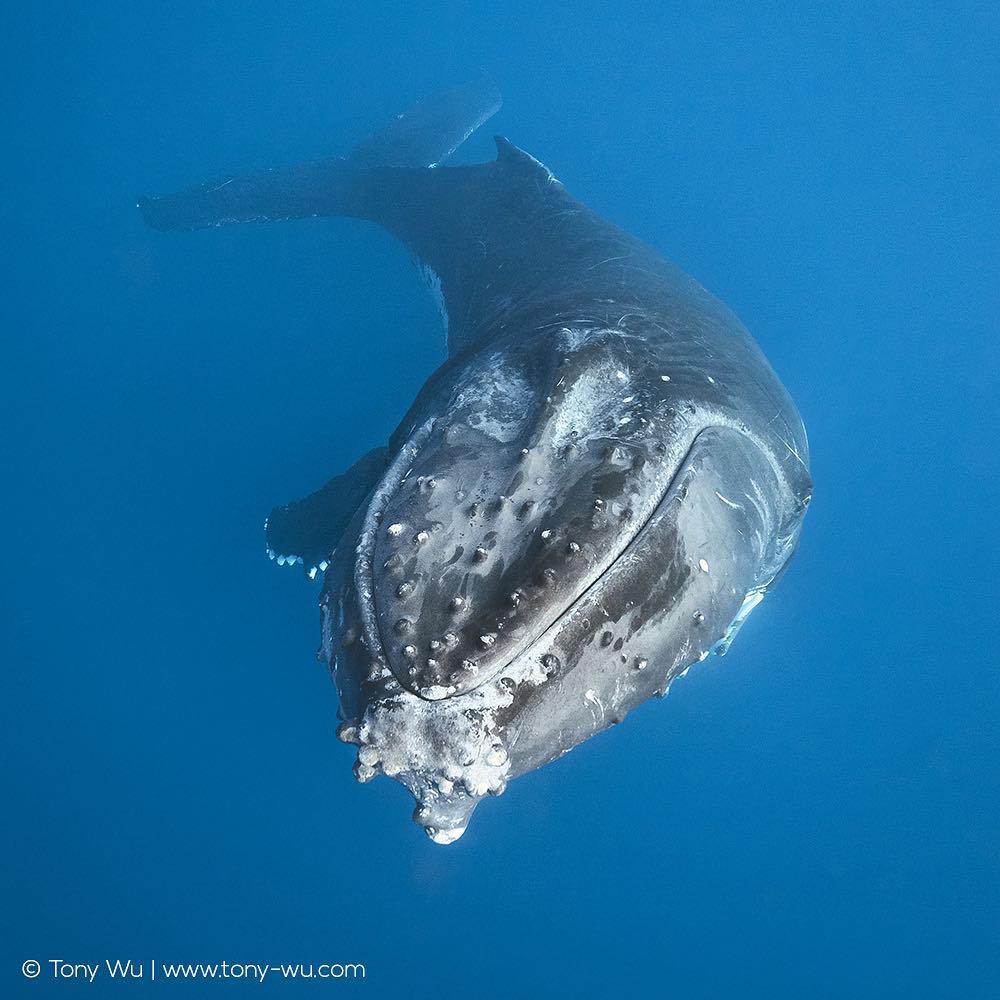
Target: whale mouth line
628	541
365	585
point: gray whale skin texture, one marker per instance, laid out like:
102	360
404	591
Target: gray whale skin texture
587	497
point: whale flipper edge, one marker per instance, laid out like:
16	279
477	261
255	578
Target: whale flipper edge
307	531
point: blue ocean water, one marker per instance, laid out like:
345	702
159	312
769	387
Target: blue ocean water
818	814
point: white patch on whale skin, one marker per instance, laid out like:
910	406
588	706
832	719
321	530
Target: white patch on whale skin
571	339
433	281
445	836
590	697
511	400
728	502
588	406
449	753
750	601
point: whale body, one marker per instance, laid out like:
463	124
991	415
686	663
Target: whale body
590	495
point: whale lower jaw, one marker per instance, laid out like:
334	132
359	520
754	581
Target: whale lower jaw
624	639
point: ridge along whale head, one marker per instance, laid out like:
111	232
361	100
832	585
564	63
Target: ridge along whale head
515	502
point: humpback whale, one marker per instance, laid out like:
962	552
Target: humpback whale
587	497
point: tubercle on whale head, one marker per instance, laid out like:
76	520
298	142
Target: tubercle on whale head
449	760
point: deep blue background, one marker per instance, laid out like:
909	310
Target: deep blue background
815	815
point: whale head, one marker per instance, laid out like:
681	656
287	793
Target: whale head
534	563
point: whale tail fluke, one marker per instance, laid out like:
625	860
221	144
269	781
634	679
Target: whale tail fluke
432	129
481	232
424	136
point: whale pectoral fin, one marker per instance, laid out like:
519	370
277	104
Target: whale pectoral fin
307	531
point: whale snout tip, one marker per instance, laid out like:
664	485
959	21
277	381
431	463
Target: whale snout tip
440	836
